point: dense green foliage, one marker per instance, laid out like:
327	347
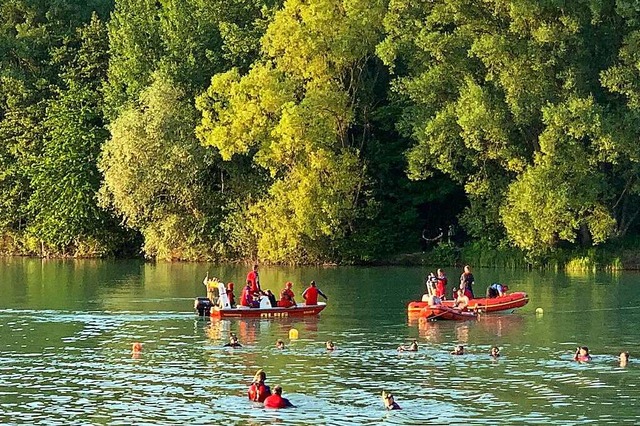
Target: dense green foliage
318	130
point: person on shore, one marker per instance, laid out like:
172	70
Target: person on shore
259	391
330	345
496	290
495	352
279	344
624	359
287	296
233	341
275	400
413	347
254	280
230	295
467	279
458	350
310	295
582	354
441	284
389	401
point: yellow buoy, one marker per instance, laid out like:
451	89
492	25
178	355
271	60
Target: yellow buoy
293	334
539	311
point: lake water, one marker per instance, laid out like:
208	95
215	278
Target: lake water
66	330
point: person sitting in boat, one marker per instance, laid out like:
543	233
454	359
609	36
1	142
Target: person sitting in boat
496	290
624	359
433	300
462	299
330	345
233	341
286	296
259	391
276	400
413	347
495	352
272	298
279	344
246	297
467	279
389	401
441	284
582	354
310	295
458	350
230	295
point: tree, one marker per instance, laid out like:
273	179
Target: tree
498	95
154	175
302	113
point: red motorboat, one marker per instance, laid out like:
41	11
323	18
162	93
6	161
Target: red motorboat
220	307
495	304
441	312
300	310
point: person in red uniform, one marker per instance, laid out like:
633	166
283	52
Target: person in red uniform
259	391
276	400
310	295
254	279
441	284
246	298
230	295
287	296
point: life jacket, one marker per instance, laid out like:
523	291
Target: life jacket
258	392
311	295
286	297
276	401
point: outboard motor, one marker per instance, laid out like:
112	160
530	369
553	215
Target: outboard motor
203	306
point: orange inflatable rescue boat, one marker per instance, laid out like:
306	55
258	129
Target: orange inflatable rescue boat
495	304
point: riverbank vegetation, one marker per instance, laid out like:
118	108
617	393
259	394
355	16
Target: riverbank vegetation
323	131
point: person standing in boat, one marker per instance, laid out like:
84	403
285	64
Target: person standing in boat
254	279
287	296
259	391
441	284
467	279
310	295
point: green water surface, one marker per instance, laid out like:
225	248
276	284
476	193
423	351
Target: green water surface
66	330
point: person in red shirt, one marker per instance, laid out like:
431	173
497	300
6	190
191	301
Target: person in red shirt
246	298
441	284
287	296
254	279
276	400
259	391
310	295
